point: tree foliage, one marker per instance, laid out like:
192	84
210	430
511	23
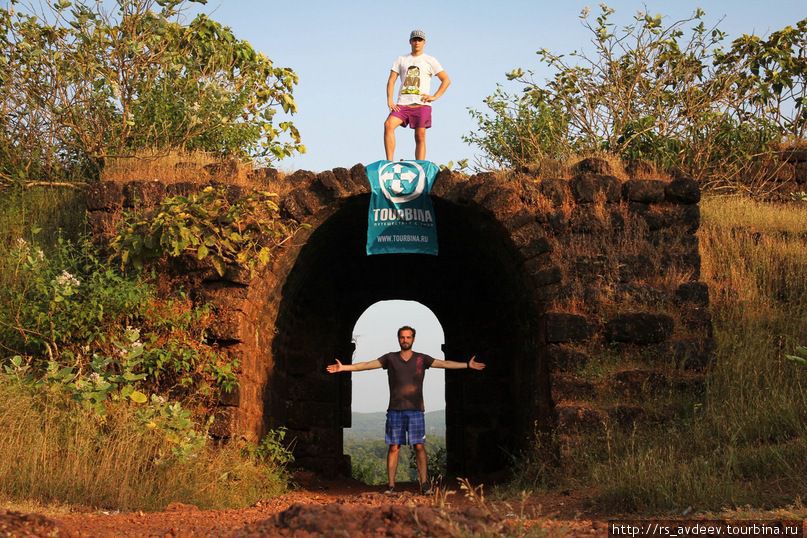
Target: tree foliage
666	92
79	83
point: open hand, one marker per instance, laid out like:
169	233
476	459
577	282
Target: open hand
475	365
334	368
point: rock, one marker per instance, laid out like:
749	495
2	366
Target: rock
182	188
593	165
569	387
224	170
586	188
648	191
638	383
556	190
139	194
800	173
574	418
263	176
683	191
106	195
639	328
562	327
300	178
564	358
696	293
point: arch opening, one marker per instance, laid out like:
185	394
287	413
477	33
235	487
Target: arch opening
374	335
479	292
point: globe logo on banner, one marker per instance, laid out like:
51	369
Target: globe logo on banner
402	181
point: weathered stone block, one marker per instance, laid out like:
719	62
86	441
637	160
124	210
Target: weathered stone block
103	224
626	415
502	204
104	195
586	188
694	353
545	277
593	165
638	383
562	327
557	190
639	328
693	292
304	415
683	191
224	170
140	194
584	220
800	173
300	178
569	387
263	176
182	188
575	418
358	175
648	191
698	320
330	186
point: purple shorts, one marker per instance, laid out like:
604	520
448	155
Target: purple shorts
414	116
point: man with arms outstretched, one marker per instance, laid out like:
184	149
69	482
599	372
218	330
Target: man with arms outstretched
405	414
413	107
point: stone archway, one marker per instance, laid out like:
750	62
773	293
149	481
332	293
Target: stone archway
476	287
539	277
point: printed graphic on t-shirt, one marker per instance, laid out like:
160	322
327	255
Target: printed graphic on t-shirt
411	84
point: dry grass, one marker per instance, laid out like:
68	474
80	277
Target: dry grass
175	167
743	212
747	443
54	451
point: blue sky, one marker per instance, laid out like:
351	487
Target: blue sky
343	51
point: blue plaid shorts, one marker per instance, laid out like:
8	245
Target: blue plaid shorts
407	427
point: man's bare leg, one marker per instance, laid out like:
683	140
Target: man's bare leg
420	143
389	135
420	458
392	459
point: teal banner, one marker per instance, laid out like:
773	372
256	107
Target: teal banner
401	218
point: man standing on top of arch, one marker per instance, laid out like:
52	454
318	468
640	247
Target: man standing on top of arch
406	413
413	107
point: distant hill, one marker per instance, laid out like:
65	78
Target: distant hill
371	425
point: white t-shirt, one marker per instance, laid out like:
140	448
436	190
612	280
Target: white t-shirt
416	74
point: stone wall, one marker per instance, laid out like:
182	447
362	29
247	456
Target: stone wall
582	295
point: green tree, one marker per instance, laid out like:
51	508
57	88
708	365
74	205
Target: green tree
665	92
79	84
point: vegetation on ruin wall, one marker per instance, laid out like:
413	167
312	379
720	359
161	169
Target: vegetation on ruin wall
87	83
207	226
671	93
113	382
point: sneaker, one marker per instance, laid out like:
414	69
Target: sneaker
390	490
426	489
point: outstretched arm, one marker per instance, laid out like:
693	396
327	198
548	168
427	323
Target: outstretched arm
473	364
357	367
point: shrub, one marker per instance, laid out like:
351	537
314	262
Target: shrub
659	92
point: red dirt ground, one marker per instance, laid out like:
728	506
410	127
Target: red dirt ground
341	508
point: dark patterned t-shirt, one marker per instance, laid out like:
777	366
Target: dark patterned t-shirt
405	379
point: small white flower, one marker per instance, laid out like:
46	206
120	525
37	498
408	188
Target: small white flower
22	244
137	345
95	377
40	256
66	280
585	11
